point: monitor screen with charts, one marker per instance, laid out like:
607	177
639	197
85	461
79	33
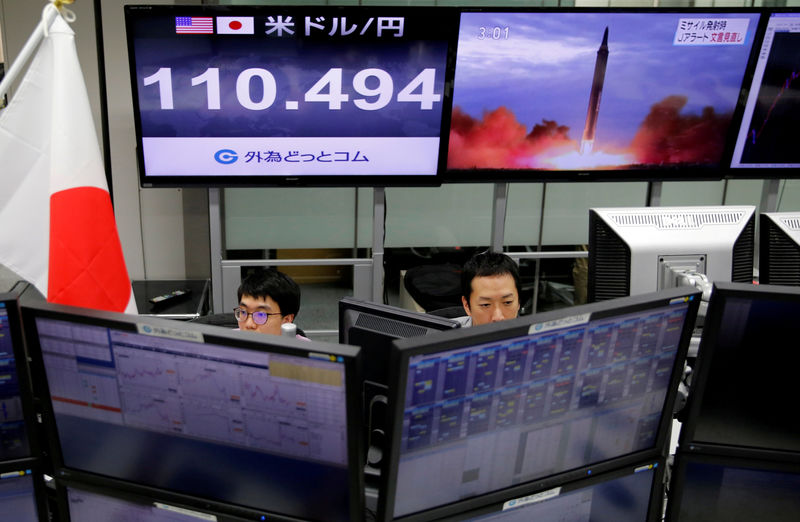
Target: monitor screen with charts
766	137
480	410
22	495
246	421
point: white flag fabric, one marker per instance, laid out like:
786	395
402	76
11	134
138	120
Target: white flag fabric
57	227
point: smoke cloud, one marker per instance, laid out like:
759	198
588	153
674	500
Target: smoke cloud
499	141
667	137
664	138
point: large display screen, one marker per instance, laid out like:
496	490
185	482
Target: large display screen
237	422
478	417
651	93
767	137
272	95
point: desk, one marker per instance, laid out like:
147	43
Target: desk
191	306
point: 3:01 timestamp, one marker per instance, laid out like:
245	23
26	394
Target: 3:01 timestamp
493	33
328	89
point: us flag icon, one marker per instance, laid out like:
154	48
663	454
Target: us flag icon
235	25
194	25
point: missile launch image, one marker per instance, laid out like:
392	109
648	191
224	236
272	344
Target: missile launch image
594	96
596	90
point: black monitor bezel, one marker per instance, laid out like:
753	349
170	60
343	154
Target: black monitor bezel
723	457
350	355
720	293
40	494
710	173
443	341
344	180
27	394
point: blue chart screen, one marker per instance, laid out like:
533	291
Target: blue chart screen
490	416
13	436
17	496
218	422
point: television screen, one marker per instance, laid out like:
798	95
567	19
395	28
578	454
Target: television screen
746	368
289	95
238	420
766	137
551	397
546	95
634	494
16	413
715	487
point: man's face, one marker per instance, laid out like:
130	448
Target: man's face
493	299
273	325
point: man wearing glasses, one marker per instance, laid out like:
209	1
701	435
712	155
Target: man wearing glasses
267	300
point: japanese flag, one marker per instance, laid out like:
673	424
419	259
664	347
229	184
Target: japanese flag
58	229
234	25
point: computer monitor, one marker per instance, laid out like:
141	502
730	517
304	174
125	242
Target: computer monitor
78	502
634	493
634	250
479	413
22	491
733	488
746	370
373	327
18	435
779	248
290	95
765	141
236	422
597	94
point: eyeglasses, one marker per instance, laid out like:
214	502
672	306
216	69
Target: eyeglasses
259	317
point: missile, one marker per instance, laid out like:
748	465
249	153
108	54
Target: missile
587	142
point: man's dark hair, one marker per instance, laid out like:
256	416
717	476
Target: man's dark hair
271	283
487	264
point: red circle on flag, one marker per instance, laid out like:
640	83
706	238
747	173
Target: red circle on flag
235	25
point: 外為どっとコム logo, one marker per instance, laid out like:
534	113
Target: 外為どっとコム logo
226	156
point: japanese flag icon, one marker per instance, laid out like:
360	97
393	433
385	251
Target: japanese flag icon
234	25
